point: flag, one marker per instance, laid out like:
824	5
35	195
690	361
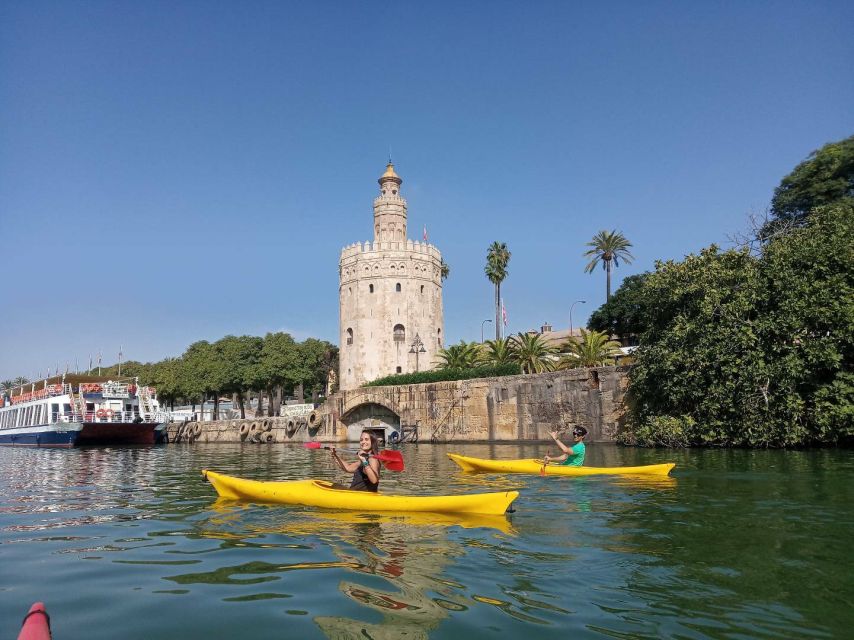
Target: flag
90	364
425	233
99	358
504	313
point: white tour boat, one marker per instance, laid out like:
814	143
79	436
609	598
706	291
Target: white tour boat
74	410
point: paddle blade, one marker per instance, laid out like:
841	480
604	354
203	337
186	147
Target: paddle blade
312	445
393	466
388	455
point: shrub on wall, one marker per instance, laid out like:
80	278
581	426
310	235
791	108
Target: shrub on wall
446	375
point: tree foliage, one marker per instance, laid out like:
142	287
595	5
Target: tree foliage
533	353
464	355
608	248
625	313
497	352
594	349
753	351
497	259
825	177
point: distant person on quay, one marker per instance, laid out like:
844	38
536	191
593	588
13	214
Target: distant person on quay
573	455
365	470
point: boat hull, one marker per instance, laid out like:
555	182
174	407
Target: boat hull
77	434
534	466
117	433
59	435
326	495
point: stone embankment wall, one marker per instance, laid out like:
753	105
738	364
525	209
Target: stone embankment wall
506	409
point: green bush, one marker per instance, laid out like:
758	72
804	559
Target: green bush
445	375
659	431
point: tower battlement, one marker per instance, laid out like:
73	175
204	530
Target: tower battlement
410	246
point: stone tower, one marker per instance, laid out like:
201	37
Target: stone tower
390	291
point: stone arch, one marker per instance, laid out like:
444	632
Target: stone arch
365	399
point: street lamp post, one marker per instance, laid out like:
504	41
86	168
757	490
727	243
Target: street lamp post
481	329
417	347
570	314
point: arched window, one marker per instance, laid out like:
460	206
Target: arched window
422	288
439	337
371	288
399	333
397	286
349	336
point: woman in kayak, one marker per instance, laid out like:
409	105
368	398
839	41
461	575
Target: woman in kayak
573	455
365	470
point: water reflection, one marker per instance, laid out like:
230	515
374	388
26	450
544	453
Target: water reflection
407	552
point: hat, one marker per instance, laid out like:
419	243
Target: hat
579	431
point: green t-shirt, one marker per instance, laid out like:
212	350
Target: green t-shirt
576	458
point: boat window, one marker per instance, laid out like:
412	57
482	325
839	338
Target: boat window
54	412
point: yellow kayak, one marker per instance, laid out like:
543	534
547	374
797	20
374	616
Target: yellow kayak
536	467
319	493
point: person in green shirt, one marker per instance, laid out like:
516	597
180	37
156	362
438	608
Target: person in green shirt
573	455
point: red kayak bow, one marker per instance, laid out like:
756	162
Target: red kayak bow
36	625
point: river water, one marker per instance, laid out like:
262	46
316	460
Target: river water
132	543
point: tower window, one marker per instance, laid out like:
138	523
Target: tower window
397	286
422	288
399	370
394	192
349	336
439	337
399	333
371	288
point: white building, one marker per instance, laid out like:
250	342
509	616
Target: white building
390	292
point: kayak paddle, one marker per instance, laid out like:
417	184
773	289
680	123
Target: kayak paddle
393	460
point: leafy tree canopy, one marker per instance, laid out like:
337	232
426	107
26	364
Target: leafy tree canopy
625	314
825	177
756	351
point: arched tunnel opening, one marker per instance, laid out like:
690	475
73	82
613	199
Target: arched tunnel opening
379	420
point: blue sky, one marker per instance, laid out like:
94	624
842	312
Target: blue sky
180	171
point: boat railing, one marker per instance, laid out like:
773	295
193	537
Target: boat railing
108	416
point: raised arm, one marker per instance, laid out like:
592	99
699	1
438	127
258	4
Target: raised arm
567	450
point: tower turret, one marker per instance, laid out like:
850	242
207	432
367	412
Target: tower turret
389	209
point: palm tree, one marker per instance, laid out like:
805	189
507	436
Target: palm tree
459	356
6	386
533	353
594	349
497	352
608	247
20	380
497	258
